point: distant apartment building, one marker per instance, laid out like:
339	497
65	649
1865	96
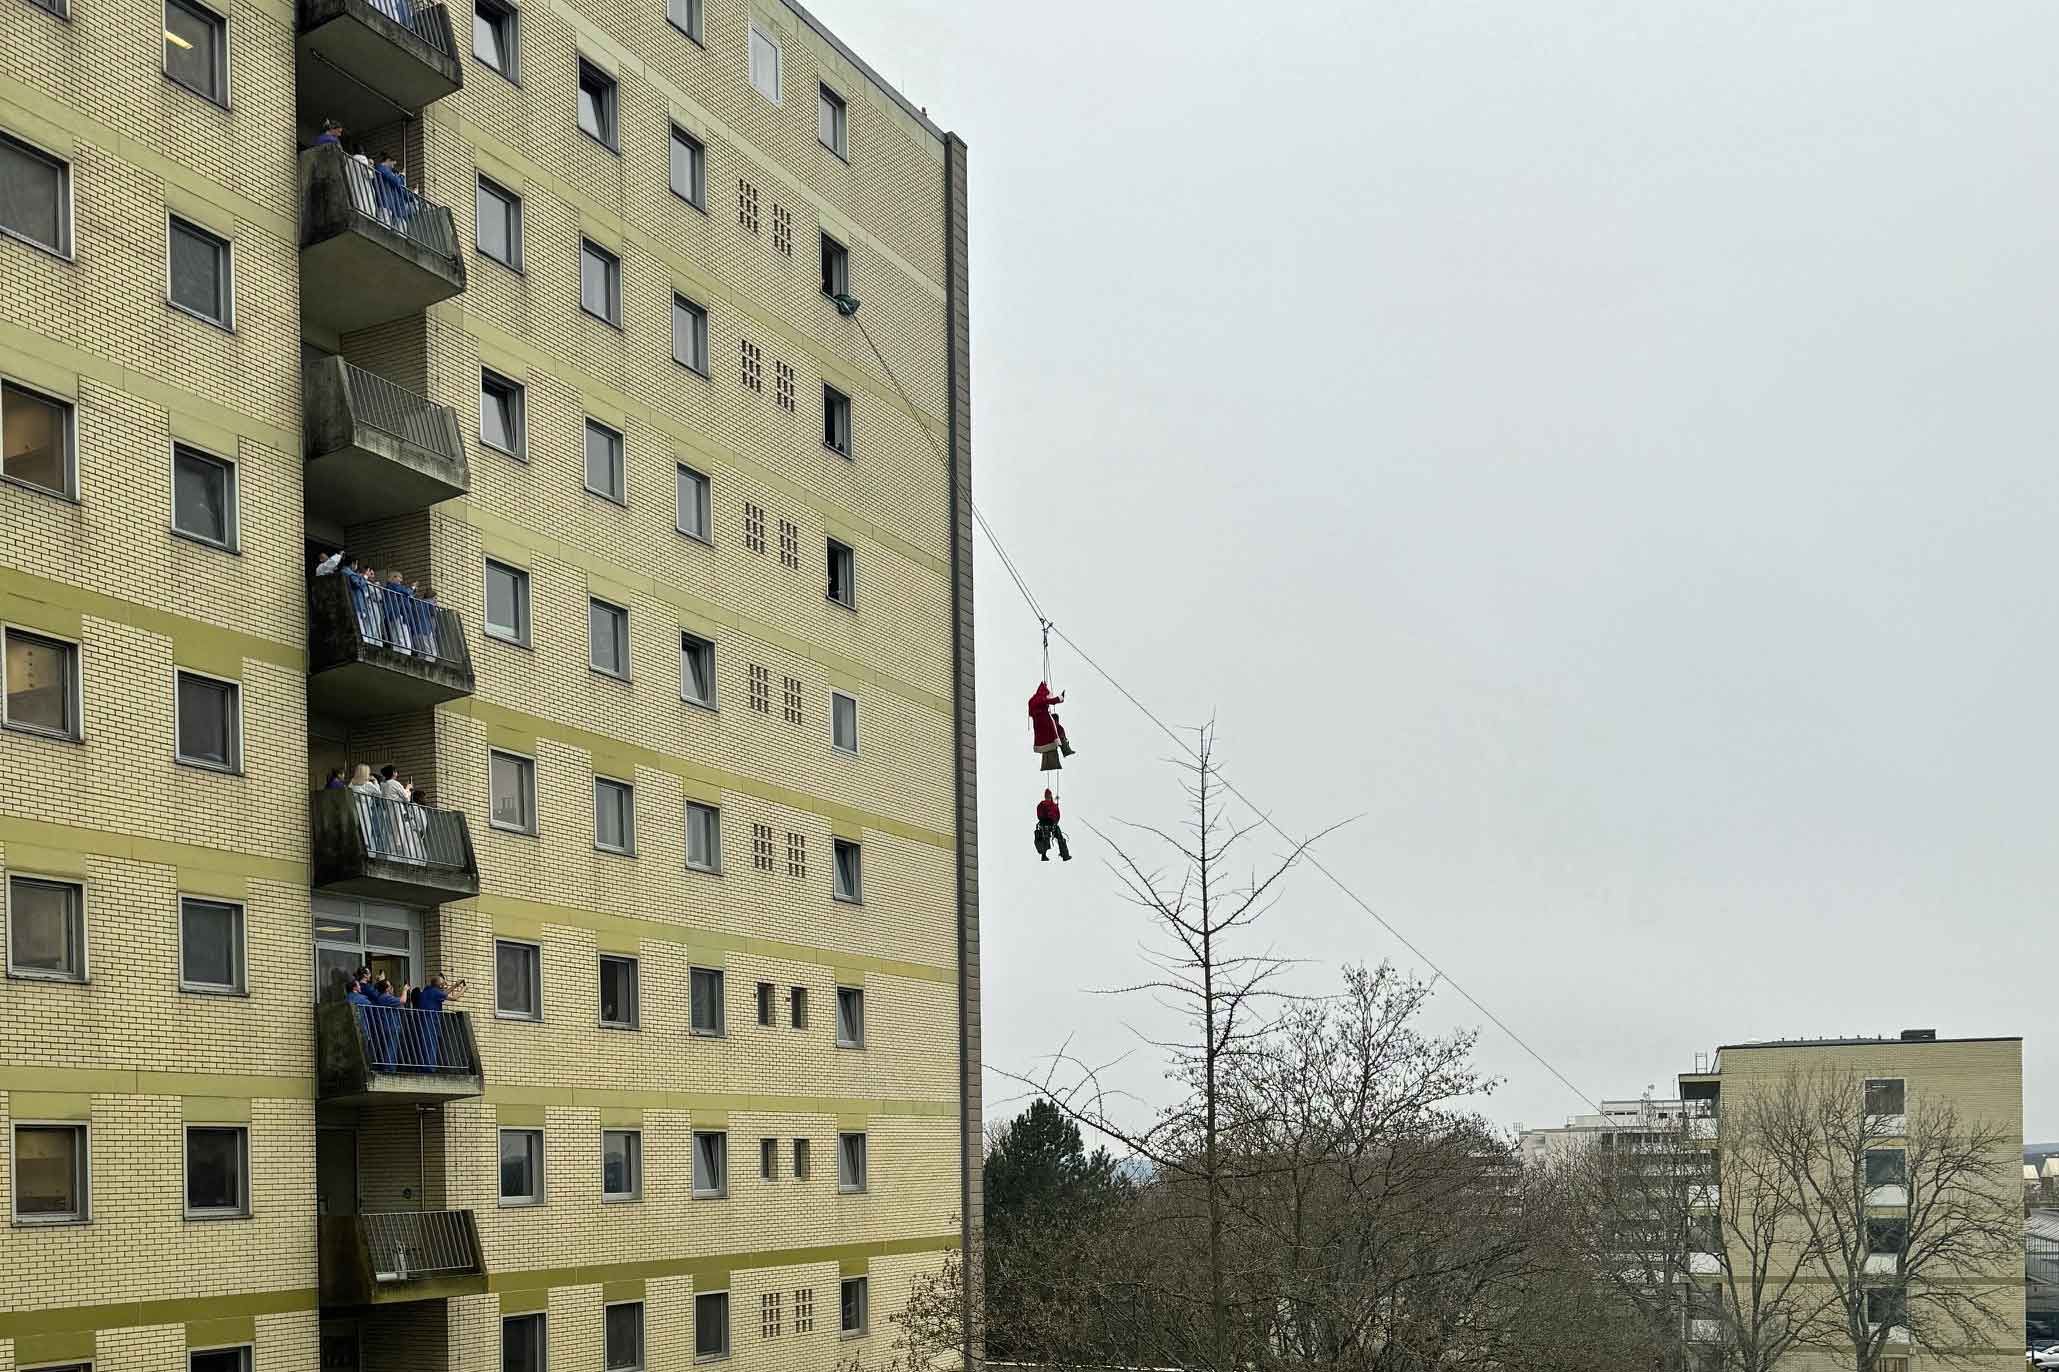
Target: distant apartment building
633	342
1644	1120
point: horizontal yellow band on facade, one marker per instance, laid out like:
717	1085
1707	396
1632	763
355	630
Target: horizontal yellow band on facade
850	1112
702	1269
180	1310
184	858
190	638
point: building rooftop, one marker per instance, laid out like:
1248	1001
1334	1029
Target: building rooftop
1907	1036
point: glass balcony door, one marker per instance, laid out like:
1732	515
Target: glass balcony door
350	934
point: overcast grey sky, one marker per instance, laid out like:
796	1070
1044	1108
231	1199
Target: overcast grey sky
1608	447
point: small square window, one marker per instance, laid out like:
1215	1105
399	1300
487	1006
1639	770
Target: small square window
51	1174
217	1172
695	505
502	421
836	421
196	49
850	885
843	575
765	64
685	15
624	1337
836	267
710	1164
521	1167
621	1165
600	282
199	272
703	837
46	928
1886	1167
850	1162
765	995
689	335
210	724
614	815
607	634
705	993
689	171
203	497
1887	1235
832	121
697	670
1886	1096
1886	1305
39	684
497	223
494	27
850	1017
619	1008
507	604
36	440
210	945
604	473
800	1174
597	104
854	1300
512	781
843	722
768	1159
797	1007
37	203
517	979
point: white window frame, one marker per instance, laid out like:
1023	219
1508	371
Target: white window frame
500	1012
492	820
523	628
837	848
846	696
704	503
635	1020
635	1191
164	58
694	977
76	671
241	985
838	110
758	35
714	867
234	767
617	614
698	328
7	880
519	417
508	21
542	1193
720	1191
70	409
690	642
232	505
628	788
842	1039
696	167
621	451
67	205
642	1341
241	1209
607	105
844	1184
485	184
611	283
82	1172
227	321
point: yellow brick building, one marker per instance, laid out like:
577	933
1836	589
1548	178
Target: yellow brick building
645	358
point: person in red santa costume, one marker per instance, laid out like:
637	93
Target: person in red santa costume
1047	735
1048	830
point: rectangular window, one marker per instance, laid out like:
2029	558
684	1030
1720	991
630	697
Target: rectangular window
850	1017
501	414
507	603
703	837
765	64
517	979
50	1174
619	1008
689	172
768	1314
600	282
765	1004
46	928
607	637
614	815
1886	1167
685	15
850	884
604	474
512	780
710	1164
804	1310
203	497
832	121
623	1336
1886	1305
39	684
621	1164
1886	1096
689	334
843	722
797	1007
210	944
35	196
196	49
1886	1236
836	421
836	267
199	271
218	1359
597	104
705	991
36	440
697	670
800	1168
854	1293
768	1159
493	35
521	1343
850	1162
217	1171
521	1166
210	724
843	574
695	505
497	223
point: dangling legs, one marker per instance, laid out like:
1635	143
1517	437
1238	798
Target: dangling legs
1064	850
1043	842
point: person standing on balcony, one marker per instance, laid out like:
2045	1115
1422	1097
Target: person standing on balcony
335	781
406	817
396	201
425	624
399	604
386	1024
331	134
431	1000
371	813
329	565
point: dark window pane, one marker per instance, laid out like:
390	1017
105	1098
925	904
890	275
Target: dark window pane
514	978
40	687
200	495
521	1153
207	721
47	1173
711	1324
200	264
35	437
210	943
500	415
521	1344
32	195
507	602
495	216
193	48
214	1169
624	1337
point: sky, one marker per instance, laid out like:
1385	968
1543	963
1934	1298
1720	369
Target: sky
1604	452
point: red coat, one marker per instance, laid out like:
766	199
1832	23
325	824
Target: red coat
1043	728
1047	811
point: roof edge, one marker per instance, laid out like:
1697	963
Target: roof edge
908	107
1862	1043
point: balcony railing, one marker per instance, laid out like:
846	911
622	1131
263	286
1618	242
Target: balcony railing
382	1052
382	849
361	62
399	831
392	205
371	249
375	449
405	1255
377	649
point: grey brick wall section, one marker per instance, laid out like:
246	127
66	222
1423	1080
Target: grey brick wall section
971	1115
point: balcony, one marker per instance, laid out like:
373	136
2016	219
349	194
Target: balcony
375	449
366	1053
369	253
408	1255
359	60
380	849
373	651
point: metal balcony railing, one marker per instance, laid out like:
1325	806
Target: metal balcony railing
391	616
422	222
421	20
396	411
399	831
415	1245
428	1043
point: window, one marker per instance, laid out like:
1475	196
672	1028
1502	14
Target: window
501	417
521	1343
517	979
203	496
1886	1305
507	604
832	121
695	506
600	282
685	15
597	104
710	1164
39	684
46	928
836	421
210	944
703	837
843	575
797	1007
804	1310
219	1359
1886	1236
765	1004
621	1165
850	1162
199	271
768	1314
765	64
768	1159
50	1174
217	1171
512	781
196	49
689	176
36	440
1886	1096
604	475
209	724
614	815
836	267
689	335
607	636
35	196
853	1318
705	991
521	1166
497	225
493	35
843	722
850	1017
1886	1167
849	878
800	1174
711	1325
618	992
697	670
623	1336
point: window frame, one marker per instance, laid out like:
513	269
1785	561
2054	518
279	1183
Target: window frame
611	282
696	976
222	65
844	1185
836	696
241	1209
767	1004
836	265
696	164
849	600
620	455
1865	1097
511	203
234	765
523	627
722	1338
855	895
838	422
691	642
68	408
82	1171
757	35
541	1193
1902	1172
607	90
804	1165
628	790
842	1039
828	102
635	1154
77	911
695	27
518	414
617	616
508	22
797	1008
75	701
844	1328
713	867
768	1159
635	965
529	1320
698	330
67	206
535	965
244	1354
493	821
239	949
704	503
720	1191
641	1342
232	503
226	250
